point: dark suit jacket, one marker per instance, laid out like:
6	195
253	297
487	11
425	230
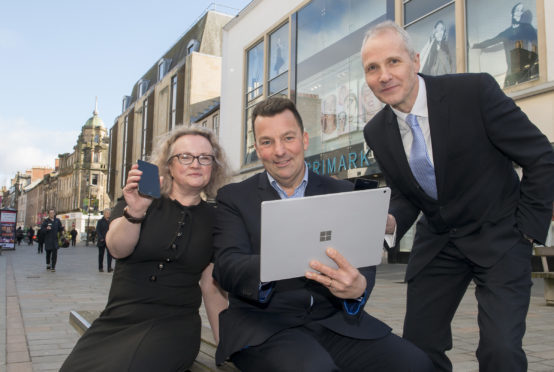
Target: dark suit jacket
483	208
249	322
102	227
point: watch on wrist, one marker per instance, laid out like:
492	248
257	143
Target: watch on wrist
131	218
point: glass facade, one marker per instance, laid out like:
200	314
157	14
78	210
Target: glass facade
331	93
317	52
504	45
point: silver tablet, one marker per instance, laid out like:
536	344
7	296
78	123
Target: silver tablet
296	231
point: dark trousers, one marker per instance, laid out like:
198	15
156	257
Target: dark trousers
54	255
101	257
503	293
313	348
73	240
40	247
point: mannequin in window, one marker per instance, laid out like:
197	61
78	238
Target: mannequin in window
521	35
435	55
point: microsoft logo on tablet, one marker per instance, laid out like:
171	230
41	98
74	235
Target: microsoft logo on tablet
325	236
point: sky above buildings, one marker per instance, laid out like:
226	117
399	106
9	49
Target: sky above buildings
57	56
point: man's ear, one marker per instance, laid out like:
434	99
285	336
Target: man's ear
305	140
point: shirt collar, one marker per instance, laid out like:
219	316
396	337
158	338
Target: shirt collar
298	192
420	104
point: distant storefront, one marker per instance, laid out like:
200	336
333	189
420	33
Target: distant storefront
8	218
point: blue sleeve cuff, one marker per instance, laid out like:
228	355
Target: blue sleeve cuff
264	291
353	307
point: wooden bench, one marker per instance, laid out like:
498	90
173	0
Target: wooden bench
205	361
546	274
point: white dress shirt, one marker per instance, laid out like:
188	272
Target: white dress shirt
420	110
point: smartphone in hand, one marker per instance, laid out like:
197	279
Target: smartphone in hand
149	184
365	184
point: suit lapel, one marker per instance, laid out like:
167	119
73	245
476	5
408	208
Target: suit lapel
394	142
265	190
315	186
437	109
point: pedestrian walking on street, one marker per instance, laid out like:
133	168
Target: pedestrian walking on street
40	241
73	233
92	236
51	227
19	235
30	235
101	230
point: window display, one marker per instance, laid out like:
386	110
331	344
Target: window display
504	45
331	93
434	37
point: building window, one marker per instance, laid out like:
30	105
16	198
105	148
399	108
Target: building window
193	46
503	40
163	67
216	125
142	87
94	179
144	129
255	68
278	60
124	152
97	138
205	124
112	166
434	35
254	94
126	103
331	93
173	103
96	157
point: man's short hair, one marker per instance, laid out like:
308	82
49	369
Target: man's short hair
391	26
273	106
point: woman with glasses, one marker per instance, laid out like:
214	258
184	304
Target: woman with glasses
164	251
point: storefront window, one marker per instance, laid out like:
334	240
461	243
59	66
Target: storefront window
434	38
331	93
502	36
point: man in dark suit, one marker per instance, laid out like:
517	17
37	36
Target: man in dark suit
445	146
102	227
313	323
51	227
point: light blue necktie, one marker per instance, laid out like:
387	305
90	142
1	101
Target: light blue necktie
420	164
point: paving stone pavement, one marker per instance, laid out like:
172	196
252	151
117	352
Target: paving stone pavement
35	335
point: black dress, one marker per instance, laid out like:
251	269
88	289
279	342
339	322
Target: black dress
151	321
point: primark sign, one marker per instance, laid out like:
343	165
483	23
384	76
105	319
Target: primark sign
340	161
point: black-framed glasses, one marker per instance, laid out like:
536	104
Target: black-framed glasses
187	159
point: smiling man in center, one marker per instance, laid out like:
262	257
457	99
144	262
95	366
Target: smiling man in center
312	323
